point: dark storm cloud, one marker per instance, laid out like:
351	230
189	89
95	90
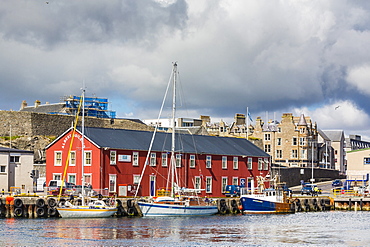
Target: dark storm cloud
271	56
58	22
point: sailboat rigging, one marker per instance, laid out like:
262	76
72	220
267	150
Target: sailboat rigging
181	201
95	208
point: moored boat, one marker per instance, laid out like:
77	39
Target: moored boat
95	209
269	201
178	202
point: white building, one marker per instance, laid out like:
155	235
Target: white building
15	170
358	164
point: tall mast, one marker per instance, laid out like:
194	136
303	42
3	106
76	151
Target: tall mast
173	163
83	147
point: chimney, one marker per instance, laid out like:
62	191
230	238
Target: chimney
37	103
240	119
23	105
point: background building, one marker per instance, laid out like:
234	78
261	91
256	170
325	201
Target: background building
15	170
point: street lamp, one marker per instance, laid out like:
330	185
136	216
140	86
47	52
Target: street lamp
312	146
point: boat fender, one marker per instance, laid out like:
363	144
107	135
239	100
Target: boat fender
40	212
18	203
131	211
223	209
52	202
9	200
129	203
18	212
233	203
223	202
52	212
62	202
40	203
118	202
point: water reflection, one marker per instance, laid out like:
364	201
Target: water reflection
260	230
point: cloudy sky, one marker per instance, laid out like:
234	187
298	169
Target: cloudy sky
271	56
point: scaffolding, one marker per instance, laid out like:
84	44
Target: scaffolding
94	107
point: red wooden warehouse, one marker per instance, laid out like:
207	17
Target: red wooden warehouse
114	161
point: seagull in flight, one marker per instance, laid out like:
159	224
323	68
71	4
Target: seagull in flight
337	107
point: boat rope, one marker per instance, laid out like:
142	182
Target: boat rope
153	136
69	150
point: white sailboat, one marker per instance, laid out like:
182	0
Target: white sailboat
95	208
181	202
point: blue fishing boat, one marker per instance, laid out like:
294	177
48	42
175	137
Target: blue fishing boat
269	201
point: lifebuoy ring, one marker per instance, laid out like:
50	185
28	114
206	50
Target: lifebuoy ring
40	203
18	202
18	212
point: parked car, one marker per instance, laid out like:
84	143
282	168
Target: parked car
309	189
337	183
232	190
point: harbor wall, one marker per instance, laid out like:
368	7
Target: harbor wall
294	175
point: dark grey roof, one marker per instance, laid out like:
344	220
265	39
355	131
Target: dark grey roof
13	150
334	135
186	143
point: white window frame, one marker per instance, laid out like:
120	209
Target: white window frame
267	137
235	163
72	158
88	178
86	159
197	182
2	169
135	179
178	160
112	183
250	163
294	153
224	162
208	161
266	164
113	157
192	160
135	158
57	159
57	176
208	184
223	184
235	181
260	164
164	160
153	159
267	148
69	175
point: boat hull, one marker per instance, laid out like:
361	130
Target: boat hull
163	209
86	212
252	205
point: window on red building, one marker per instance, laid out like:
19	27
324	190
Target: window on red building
224	162
192	161
113	155
209	161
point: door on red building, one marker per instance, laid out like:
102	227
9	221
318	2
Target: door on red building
152	185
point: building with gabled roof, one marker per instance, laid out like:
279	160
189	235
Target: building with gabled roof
114	159
338	144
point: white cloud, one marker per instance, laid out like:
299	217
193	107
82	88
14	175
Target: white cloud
360	78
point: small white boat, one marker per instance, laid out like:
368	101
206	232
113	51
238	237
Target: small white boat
95	209
169	206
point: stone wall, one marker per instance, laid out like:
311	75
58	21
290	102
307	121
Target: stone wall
33	124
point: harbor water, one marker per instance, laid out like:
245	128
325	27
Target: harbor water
331	228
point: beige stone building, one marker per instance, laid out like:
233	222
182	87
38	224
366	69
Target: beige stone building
293	142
